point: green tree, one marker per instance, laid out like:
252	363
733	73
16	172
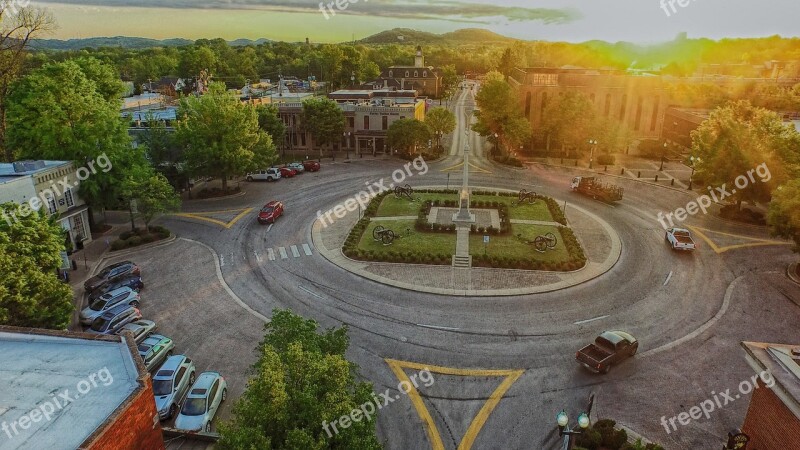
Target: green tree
569	118
784	212
270	122
441	121
450	81
59	112
302	381
500	113
408	134
16	32
152	193
220	135
324	120
738	138
31	294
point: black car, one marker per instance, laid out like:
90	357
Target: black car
132	281
112	273
114	319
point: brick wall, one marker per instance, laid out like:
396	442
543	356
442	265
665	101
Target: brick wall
133	426
769	423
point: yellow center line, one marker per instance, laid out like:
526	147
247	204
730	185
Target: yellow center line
757	242
227	225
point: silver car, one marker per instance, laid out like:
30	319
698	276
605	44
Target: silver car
171	383
202	403
155	350
141	330
124	295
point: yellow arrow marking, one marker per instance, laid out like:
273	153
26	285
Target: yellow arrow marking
479	420
201	216
757	242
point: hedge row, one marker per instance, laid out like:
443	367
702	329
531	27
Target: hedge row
351	250
140	236
422	224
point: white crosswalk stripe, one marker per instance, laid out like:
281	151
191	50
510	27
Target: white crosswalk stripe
282	251
271	254
307	249
295	253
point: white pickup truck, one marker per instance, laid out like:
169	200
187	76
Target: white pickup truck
679	239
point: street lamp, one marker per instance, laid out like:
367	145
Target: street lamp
352	78
592	144
496	145
691	177
664	152
564	430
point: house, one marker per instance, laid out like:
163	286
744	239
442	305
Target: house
74	390
426	80
52	185
168	86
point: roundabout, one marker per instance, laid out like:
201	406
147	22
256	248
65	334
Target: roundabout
479	328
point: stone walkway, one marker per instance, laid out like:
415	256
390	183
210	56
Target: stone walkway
600	242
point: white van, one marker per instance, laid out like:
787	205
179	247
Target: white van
272	174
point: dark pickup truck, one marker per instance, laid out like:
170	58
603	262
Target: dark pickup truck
608	349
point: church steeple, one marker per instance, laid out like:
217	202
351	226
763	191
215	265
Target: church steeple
419	60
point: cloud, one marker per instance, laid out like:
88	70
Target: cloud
452	10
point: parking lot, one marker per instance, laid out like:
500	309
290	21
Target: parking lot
183	296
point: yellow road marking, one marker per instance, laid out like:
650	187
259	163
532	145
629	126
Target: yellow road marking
757	242
480	419
227	225
461	164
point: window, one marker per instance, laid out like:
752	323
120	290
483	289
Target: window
654	118
406	74
391	74
51	205
528	104
544	102
416	74
425	74
68	197
366	122
213	393
385	122
638	122
351	122
179	376
622	107
608	105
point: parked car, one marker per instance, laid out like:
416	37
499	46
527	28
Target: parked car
111	273
132	281
609	348
679	239
154	350
311	166
202	403
297	166
123	295
114	319
171	383
271	174
287	172
270	212
141	330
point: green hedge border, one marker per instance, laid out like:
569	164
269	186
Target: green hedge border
577	257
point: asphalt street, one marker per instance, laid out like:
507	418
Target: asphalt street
473	345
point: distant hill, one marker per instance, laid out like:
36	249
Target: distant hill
409	36
125	42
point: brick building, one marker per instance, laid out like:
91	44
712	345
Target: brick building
426	80
74	390
773	417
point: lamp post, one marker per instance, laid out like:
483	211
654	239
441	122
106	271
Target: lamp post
691	176
566	432
352	79
346	135
496	145
592	145
663	152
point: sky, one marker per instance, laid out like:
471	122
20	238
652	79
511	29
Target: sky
640	21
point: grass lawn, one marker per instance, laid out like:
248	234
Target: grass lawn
393	206
512	246
537	211
431	243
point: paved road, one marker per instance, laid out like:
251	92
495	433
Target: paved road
656	295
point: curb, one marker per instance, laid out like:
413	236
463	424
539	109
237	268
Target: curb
238	194
159	243
632	435
791	272
569	279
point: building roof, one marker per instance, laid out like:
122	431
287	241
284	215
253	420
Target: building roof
782	361
19	169
38	365
167	113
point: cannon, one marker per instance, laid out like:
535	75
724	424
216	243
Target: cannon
547	241
382	234
526	197
404	191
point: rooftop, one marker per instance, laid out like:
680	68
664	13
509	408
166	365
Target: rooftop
783	363
42	366
18	169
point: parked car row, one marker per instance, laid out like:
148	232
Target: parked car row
285	171
113	309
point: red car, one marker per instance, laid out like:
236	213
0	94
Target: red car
311	166
270	212
287	172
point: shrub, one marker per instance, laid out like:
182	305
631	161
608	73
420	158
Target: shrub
147	238
119	244
606	159
134	241
126	235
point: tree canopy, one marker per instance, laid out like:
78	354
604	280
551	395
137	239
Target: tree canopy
500	113
410	135
324	120
301	381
